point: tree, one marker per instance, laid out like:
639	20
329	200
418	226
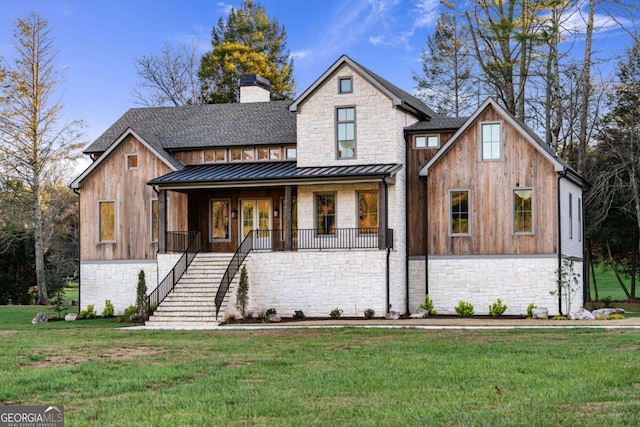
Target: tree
247	43
447	76
31	140
170	78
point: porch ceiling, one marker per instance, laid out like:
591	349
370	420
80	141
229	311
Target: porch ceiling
269	174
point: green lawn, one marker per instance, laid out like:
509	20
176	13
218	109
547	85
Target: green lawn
608	285
352	377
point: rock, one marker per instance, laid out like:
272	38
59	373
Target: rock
274	318
581	315
604	313
419	314
540	313
393	315
70	317
40	318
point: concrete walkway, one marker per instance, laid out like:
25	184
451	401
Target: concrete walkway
433	323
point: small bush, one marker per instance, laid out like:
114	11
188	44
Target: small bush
464	309
530	310
497	309
270	311
336	313
369	313
108	309
616	316
89	313
428	306
130	314
559	318
242	296
299	315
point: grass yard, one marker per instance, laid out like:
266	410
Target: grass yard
352	377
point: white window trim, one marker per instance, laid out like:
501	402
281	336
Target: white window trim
115	221
127	157
151	220
426	137
457	190
210	237
481	141
204	155
533	212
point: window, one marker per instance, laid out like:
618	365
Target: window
132	161
368	212
346	132
490	141
570	216
427	141
263	154
219	220
107	219
523	211
155	220
235	155
459	222
345	85
269	154
292	153
211	156
326	213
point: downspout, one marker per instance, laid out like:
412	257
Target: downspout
406	226
561	175
75	190
386	241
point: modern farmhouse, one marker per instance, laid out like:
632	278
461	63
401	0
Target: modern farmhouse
355	195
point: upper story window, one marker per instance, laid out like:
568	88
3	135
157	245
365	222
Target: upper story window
132	161
426	141
214	156
491	141
459	209
291	152
107	221
242	154
345	85
346	132
270	153
523	211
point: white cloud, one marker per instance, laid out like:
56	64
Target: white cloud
300	53
224	7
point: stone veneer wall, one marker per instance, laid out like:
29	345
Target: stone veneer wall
115	281
317	282
518	281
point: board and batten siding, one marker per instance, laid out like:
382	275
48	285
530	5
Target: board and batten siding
112	181
571	219
491	185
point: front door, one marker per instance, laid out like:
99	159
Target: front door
256	215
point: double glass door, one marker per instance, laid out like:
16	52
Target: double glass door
256	215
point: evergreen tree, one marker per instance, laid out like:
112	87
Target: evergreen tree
248	42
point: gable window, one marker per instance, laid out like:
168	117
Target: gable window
269	153
368	212
132	161
427	141
459	208
326	213
523	211
491	141
107	221
345	85
219	216
214	156
155	220
346	129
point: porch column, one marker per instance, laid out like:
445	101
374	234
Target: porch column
382	215
162	221
288	220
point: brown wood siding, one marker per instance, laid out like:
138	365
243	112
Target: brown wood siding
189	157
128	188
416	189
491	186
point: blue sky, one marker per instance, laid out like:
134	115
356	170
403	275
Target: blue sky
99	40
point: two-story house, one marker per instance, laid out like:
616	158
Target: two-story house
355	195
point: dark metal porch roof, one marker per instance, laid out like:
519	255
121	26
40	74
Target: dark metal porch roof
227	173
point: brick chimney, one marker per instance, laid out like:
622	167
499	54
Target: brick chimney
254	88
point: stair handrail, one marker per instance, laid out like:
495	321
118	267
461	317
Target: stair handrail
155	298
238	258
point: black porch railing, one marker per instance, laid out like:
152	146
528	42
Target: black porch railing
314	239
179	241
234	265
190	250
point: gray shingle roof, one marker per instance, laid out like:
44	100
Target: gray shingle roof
438	123
269	171
200	126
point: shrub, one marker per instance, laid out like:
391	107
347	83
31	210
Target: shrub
559	318
616	316
336	313
369	313
530	308
89	313
464	309
428	306
242	297
141	293
270	311
497	309
108	309
130	314
299	315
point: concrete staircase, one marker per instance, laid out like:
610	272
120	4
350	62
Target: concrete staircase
192	301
